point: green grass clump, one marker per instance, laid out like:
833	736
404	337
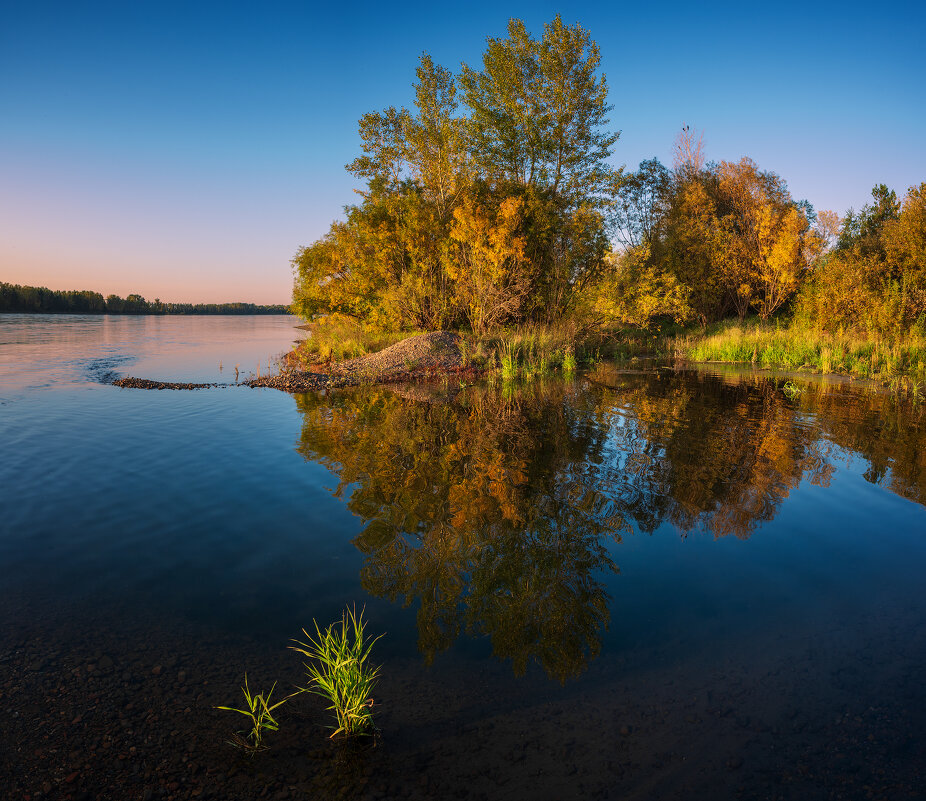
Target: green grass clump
536	350
794	347
509	360
259	712
569	360
338	670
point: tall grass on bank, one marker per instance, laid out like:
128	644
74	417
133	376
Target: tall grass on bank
794	348
533	350
524	351
529	350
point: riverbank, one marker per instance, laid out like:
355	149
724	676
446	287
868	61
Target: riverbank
325	361
899	362
530	350
436	356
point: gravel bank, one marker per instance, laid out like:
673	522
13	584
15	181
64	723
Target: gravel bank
129	382
421	358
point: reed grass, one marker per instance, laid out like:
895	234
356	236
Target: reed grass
569	360
535	350
338	669
793	348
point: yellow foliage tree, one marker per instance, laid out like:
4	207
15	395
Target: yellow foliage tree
780	261
689	248
490	268
763	233
640	290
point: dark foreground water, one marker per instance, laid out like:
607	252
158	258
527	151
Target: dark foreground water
634	585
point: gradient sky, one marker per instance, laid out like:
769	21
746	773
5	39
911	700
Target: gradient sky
185	150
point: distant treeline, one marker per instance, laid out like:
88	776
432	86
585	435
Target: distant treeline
38	299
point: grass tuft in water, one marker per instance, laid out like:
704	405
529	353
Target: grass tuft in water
569	360
338	669
259	712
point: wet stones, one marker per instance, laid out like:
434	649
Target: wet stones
130	382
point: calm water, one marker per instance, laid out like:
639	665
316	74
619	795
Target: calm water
637	584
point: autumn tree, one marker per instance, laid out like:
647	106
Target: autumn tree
762	234
385	265
904	237
874	280
688	247
489	264
421	246
539	129
733	236
640	291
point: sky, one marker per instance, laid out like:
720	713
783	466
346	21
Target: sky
186	150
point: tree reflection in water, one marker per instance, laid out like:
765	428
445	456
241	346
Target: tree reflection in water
496	507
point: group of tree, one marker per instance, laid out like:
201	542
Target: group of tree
485	204
33	299
493	202
874	280
703	242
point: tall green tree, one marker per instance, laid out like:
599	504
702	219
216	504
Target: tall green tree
539	112
641	203
861	231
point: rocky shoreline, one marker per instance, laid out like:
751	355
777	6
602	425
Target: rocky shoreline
299	382
130	382
423	358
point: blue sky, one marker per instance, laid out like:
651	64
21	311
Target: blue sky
185	150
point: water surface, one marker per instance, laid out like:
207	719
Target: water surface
663	583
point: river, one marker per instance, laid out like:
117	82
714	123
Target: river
659	583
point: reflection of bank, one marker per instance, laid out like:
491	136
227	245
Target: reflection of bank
493	508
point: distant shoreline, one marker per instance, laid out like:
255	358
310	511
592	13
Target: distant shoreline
153	314
19	299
